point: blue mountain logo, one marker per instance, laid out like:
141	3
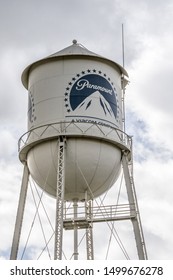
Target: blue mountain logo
92	95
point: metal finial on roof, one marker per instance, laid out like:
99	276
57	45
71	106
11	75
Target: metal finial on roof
74	42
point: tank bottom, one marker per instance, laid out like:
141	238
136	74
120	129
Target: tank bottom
91	166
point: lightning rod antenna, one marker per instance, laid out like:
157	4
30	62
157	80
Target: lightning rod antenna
123	80
122	34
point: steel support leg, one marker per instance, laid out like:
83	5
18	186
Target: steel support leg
60	199
136	222
89	231
20	213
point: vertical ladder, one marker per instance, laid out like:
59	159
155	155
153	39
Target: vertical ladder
75	214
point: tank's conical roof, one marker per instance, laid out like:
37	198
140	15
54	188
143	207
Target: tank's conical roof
73	50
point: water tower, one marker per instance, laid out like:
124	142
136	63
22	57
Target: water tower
76	145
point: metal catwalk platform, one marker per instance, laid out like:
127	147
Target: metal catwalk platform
106	213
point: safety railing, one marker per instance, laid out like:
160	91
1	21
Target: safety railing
73	129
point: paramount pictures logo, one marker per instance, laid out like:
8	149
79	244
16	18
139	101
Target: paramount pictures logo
92	95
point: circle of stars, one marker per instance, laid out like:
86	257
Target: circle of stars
32	108
83	73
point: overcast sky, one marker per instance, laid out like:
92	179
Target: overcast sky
30	30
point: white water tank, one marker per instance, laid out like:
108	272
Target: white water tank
76	94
